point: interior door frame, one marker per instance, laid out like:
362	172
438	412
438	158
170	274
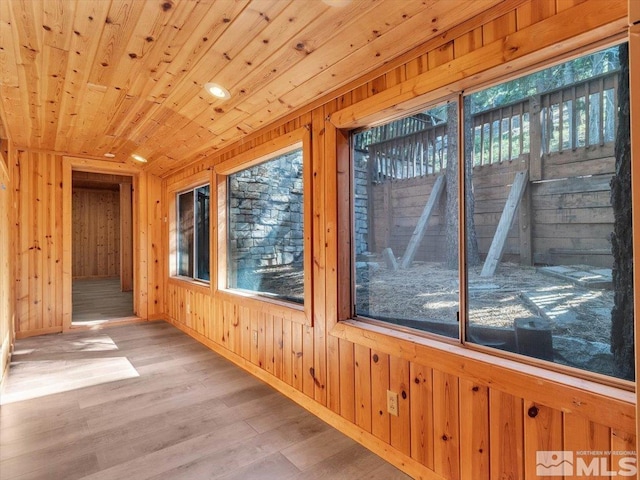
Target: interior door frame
69	165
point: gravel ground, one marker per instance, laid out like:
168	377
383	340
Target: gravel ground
430	291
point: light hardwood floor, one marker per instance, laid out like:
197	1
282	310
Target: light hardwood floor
145	401
100	300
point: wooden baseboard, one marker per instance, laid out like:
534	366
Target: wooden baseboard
96	277
6	350
41	331
377	446
107	323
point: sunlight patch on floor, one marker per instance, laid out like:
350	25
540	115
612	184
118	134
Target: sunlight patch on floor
29	380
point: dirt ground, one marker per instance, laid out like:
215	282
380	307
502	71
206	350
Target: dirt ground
430	291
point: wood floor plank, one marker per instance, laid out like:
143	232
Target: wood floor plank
182	412
351	462
317	448
95	299
273	466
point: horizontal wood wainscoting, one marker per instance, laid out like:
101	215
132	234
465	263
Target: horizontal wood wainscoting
43	232
462	414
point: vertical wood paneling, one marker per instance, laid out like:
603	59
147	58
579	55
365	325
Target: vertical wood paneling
278	345
401	424
542	431
580	435
49	274
141	273
308	372
446	429
363	387
319	242
38	238
58	245
22	198
96	220
380	422
474	430
499	28
534	11
507	436
126	237
44	233
262	338
287	352
421	395
347	380
254	335
245	325
624	451
157	261
269	345
467	43
332	280
6	268
296	329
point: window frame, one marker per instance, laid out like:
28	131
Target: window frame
299	138
173	191
348	324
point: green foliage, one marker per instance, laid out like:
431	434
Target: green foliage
546	80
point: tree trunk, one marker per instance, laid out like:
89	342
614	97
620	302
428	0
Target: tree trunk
622	338
451	209
473	254
451	206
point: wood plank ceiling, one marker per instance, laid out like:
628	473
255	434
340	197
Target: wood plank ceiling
89	77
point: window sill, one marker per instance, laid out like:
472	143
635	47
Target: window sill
286	310
197	285
604	404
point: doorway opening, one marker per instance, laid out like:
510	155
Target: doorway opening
102	248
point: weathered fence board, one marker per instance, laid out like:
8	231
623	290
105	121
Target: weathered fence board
418	233
506	220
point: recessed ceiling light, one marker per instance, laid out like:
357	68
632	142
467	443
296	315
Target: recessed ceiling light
138	158
110	155
217	91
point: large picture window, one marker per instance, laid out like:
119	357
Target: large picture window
193	208
546	218
553	237
265	244
406	208
264	225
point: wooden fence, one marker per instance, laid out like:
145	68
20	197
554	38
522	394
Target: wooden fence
565	138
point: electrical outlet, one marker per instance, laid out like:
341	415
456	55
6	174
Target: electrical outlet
255	337
392	403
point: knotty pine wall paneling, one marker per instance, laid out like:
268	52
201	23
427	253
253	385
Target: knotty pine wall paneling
462	414
153	253
37	198
42	192
96	233
125	193
7	331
